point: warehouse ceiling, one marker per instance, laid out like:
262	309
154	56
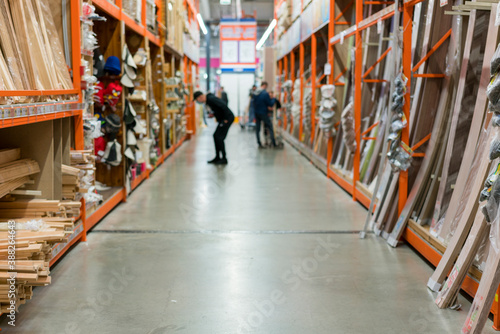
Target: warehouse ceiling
213	11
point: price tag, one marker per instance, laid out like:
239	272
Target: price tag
17	112
2	111
328	69
379	26
497	17
443	3
31	111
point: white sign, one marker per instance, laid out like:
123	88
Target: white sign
230	52
247	52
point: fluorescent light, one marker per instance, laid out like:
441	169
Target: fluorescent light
170	6
225	2
266	34
202	24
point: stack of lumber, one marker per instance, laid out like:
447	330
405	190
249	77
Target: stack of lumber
39	208
84	162
31	46
34	242
14	171
70	182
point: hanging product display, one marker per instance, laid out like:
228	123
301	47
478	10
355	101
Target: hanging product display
327	110
287	105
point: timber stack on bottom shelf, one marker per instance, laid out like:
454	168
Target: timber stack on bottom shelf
419	107
35	225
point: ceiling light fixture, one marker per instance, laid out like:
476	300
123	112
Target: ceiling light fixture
170	6
202	24
266	35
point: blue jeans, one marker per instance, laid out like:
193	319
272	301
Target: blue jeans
267	123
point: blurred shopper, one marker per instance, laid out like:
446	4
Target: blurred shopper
262	102
223	96
224	117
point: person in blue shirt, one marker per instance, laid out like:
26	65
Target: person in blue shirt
262	101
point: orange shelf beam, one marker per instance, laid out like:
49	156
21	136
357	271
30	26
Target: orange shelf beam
344	184
38	92
110	9
10	122
104	209
153	38
73	239
361	198
130	22
138	180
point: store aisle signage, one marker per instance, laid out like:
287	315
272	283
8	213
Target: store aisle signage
237	44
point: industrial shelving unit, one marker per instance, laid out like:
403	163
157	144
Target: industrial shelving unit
340	30
35	117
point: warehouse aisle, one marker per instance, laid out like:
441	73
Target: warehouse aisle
263	245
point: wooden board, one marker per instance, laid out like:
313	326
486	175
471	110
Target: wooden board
464	219
451	287
472	139
464	110
9	155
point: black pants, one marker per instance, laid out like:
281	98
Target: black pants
219	136
267	123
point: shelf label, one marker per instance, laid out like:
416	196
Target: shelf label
31	111
443	3
328	69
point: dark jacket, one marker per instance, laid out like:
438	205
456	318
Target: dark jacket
262	101
223	97
219	108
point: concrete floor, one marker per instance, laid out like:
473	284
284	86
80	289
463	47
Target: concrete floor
264	245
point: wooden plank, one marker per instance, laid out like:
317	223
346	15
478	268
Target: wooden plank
477	175
451	287
9	154
467	97
472	139
480	308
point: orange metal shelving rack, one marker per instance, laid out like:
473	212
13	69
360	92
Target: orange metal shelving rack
470	285
114	10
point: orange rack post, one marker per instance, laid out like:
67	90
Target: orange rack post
407	68
301	66
292	77
285	78
314	50
358	72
